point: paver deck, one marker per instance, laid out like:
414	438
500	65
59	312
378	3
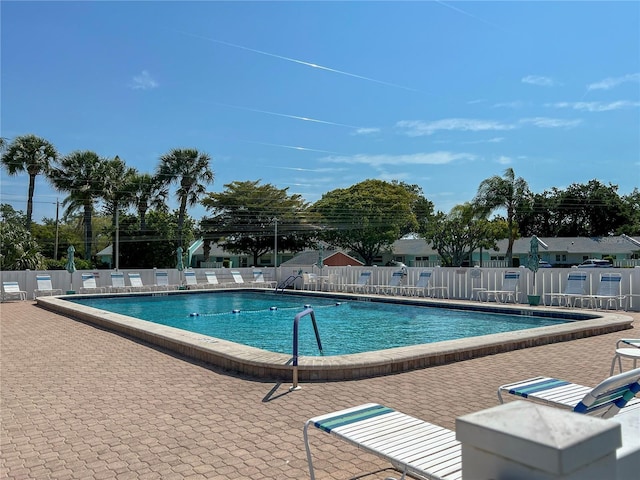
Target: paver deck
78	402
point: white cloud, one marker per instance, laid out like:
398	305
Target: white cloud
490	140
545	122
503	160
538	80
143	81
435	158
595	106
611	82
366	131
388	176
514	104
418	128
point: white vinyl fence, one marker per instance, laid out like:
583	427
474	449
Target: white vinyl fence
461	282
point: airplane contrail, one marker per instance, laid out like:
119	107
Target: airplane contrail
300	62
295	117
313	170
468	14
293	147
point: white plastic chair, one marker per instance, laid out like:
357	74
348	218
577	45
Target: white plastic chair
44	286
89	284
12	289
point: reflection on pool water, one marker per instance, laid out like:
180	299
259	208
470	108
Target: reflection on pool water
264	320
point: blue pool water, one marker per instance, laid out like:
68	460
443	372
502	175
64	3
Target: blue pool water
265	320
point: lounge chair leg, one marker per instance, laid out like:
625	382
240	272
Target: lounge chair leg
308	449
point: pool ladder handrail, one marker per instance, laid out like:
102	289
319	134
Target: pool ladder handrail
296	320
287	282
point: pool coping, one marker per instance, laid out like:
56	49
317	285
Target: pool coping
265	365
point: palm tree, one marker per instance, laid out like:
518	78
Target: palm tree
82	174
118	191
147	193
503	192
190	170
30	154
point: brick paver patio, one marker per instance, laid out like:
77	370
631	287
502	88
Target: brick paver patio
78	402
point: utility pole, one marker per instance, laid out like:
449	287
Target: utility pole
275	245
55	248
117	245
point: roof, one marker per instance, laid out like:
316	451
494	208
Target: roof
310	257
578	245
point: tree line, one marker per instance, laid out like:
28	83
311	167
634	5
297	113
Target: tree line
247	217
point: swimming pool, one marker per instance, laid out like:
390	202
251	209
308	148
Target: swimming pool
264	320
260	364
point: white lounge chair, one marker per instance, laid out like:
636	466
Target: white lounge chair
574	290
44	286
89	284
212	280
608	291
259	280
509	289
237	278
117	283
136	282
12	289
394	286
605	400
423	286
162	280
413	446
190	279
361	285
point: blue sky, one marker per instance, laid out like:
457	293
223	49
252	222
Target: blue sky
315	96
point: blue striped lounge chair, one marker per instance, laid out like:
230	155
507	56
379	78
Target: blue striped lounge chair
259	280
412	446
394	286
212	280
361	285
425	287
117	283
237	278
89	284
136	282
44	286
605	400
191	279
608	291
509	289
12	289
574	290
162	280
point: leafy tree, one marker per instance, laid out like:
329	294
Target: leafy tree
190	170
82	174
456	235
421	207
590	210
506	192
18	250
631	209
156	245
33	155
45	234
368	217
244	219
